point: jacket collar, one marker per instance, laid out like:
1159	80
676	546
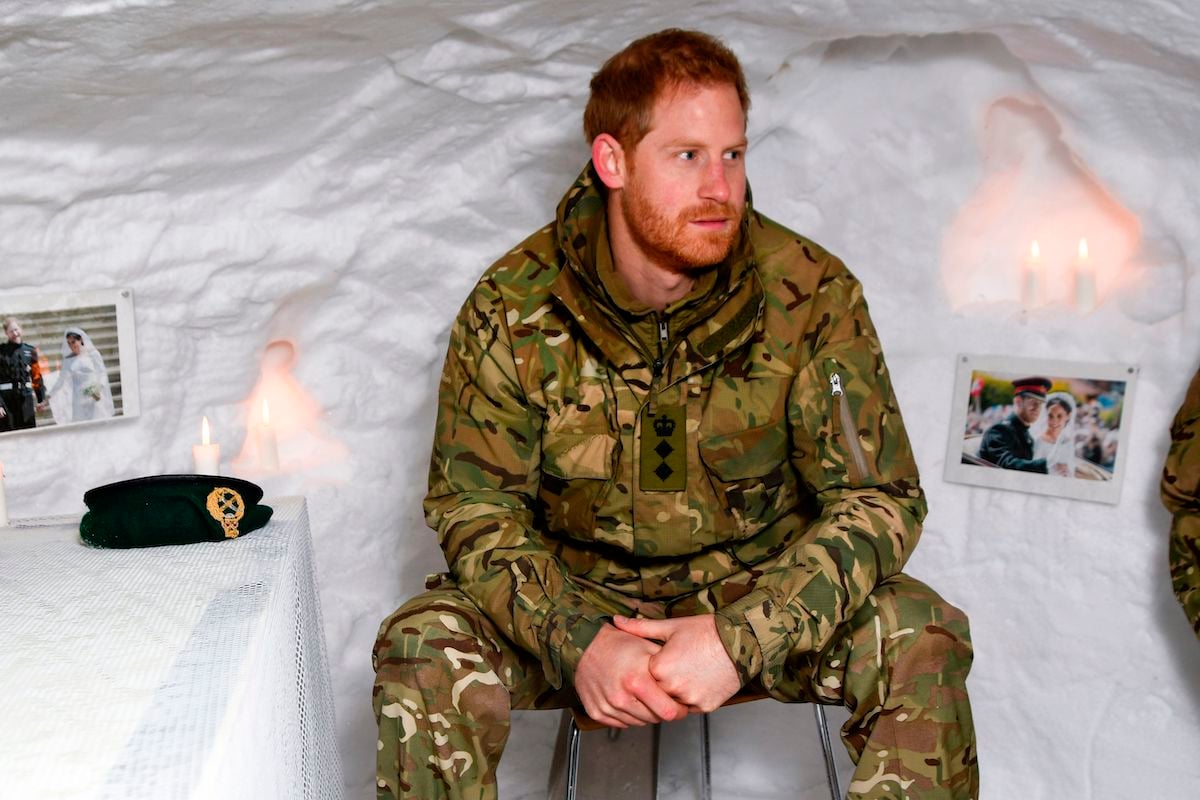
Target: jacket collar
719	316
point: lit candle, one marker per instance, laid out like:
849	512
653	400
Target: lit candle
205	456
3	500
1085	281
268	449
1031	287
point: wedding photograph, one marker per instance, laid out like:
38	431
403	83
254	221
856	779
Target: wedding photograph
66	359
1047	427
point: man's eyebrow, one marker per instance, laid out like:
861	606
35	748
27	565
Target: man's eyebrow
688	144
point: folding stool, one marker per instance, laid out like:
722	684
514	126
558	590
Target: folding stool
576	722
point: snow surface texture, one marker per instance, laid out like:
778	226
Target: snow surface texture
338	175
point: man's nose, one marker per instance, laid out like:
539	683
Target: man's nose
716	182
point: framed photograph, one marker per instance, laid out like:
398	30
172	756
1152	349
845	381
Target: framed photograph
67	359
1041	426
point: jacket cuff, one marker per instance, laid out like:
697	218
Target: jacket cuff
772	627
780	629
740	645
564	638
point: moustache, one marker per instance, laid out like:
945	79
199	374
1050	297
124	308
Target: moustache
711	210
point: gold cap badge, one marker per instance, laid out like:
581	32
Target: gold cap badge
226	507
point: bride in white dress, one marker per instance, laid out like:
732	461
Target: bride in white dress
82	392
1054	434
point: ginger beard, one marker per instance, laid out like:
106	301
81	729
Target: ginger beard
673	243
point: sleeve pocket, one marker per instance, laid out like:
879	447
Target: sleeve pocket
847	414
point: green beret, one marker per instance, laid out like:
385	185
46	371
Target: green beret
171	509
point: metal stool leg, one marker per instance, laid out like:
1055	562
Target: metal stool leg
572	759
706	760
835	791
657	754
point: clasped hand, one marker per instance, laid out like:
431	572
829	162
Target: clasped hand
644	671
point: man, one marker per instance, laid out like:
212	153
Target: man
668	463
1181	495
1008	444
21	386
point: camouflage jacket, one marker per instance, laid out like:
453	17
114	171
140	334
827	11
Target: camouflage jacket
748	429
1181	495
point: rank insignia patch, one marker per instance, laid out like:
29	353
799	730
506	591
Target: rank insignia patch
663	456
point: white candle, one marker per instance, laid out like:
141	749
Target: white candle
268	448
1031	278
206	457
3	500
1085	281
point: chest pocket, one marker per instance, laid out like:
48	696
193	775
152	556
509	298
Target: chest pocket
577	469
751	475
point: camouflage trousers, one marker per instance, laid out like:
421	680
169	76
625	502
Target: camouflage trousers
446	679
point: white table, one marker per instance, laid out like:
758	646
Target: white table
192	671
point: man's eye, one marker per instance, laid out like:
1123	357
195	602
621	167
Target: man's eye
734	155
688	155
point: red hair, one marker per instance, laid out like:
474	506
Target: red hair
625	89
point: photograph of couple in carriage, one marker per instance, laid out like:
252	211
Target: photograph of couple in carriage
1041	426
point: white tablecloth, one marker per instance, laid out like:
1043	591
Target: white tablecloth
193	671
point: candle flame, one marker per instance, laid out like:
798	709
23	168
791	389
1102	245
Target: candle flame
1083	249
204	435
266	412
1035	250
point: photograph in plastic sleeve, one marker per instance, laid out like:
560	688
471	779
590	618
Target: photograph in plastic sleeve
66	359
1041	426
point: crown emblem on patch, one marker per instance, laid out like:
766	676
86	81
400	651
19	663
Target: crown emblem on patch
664	426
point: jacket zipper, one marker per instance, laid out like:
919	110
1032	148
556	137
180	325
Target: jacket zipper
663	335
848	430
662	343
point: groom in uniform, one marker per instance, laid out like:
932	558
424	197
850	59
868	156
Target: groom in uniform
21	386
1008	443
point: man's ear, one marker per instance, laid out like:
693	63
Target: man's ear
608	157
